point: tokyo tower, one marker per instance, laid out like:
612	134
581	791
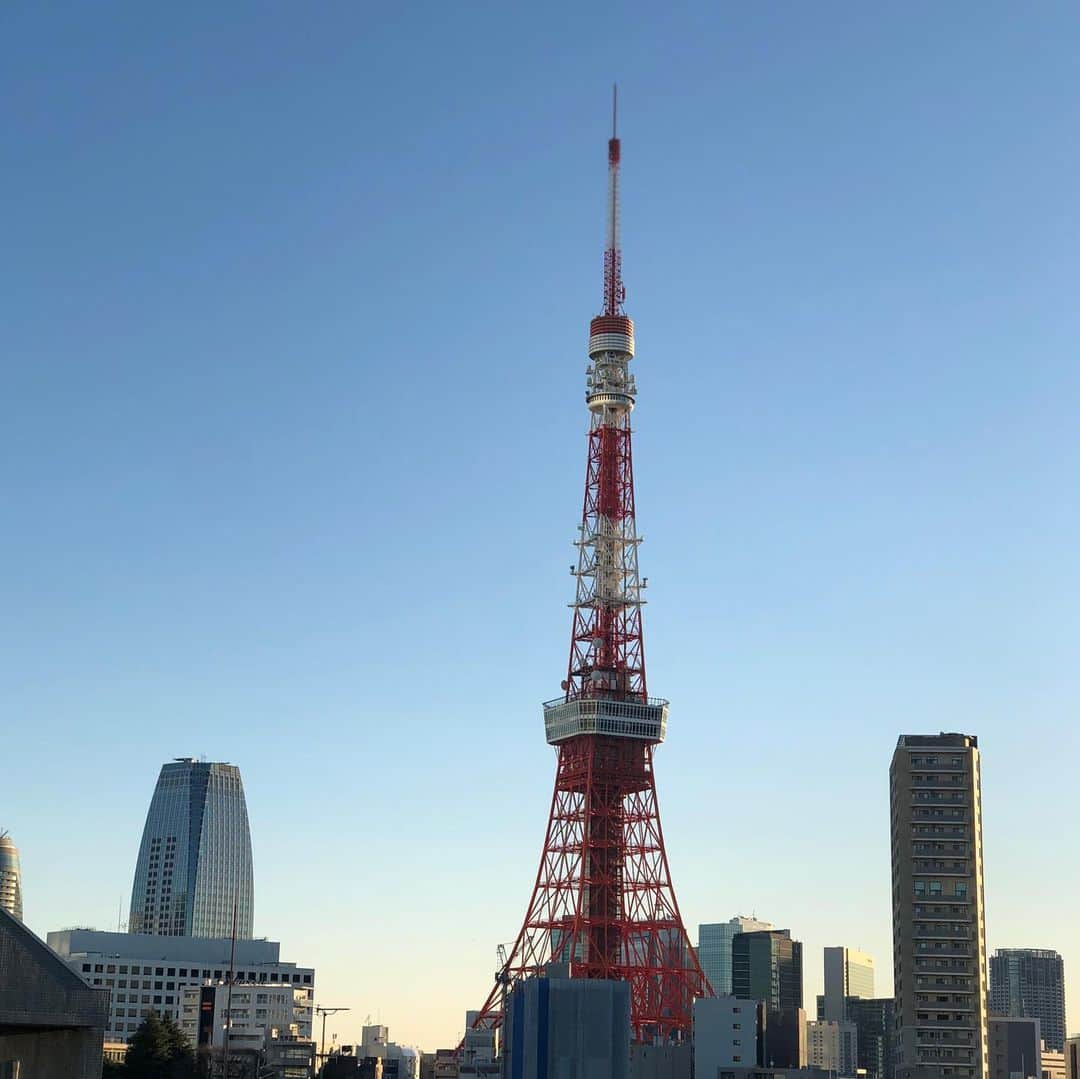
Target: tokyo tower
603	901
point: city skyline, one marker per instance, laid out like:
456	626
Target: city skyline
218	433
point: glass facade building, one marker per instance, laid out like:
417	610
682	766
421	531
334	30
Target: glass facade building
1029	983
714	949
10	877
767	966
195	856
874	1019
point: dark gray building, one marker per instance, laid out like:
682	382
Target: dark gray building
51	1022
195	856
575	1028
874	1019
1015	1048
767	966
1030	983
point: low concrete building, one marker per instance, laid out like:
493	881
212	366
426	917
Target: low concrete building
150	973
662	1061
260	1011
1072	1057
1015	1048
832	1045
51	1022
288	1057
770	1073
726	1033
1053	1064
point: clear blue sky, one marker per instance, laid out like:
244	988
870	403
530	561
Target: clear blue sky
292	320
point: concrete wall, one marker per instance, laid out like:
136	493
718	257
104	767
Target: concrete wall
54	1054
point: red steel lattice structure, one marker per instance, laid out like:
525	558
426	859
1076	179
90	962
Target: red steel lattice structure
603	901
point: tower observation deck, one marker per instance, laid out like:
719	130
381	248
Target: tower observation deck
603	900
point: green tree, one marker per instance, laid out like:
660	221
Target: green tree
159	1050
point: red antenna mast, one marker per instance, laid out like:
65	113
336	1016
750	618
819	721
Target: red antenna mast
614	289
603	900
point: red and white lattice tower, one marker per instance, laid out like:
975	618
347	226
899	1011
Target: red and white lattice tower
603	900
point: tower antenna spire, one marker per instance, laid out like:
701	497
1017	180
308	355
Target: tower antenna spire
614	289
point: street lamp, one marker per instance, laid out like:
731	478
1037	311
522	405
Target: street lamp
324	1012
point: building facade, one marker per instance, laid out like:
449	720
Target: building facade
1014	1048
572	1027
725	1033
939	933
714	949
874	1021
766	965
194	867
150	973
10	877
1030	983
260	1011
1072	1057
832	1046
848	973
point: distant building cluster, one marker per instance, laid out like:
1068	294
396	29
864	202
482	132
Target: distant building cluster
947	1019
189	954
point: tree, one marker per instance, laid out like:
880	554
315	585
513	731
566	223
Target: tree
159	1050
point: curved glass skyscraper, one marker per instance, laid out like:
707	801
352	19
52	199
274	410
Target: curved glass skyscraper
10	878
195	857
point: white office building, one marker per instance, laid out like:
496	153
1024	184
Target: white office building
147	972
848	973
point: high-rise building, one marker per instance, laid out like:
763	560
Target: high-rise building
766	965
939	934
714	949
10	877
194	862
874	1020
848	973
1030	983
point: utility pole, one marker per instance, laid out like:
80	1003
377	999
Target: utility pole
324	1012
228	994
